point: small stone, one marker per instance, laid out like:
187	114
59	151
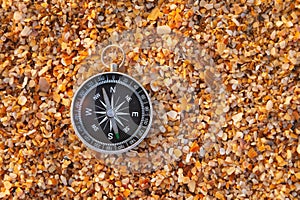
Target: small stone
52	168
172	114
230	170
297	175
177	153
281	161
19	192
162	129
282	44
43	70
192	186
44	85
126	192
288	100
209	6
7	185
125	181
252	153
279	23
219	195
269	105
288	154
238	117
221	47
56	97
63	180
298	149
155	13
163	30
222	151
285	66
154	87
287	117
26	31
17	16
22	100
31	83
194	147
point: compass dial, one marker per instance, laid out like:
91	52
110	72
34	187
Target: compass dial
111	112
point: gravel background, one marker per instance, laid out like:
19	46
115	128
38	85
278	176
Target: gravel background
255	48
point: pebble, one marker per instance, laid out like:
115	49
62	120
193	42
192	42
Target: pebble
161	30
298	149
269	105
222	151
63	180
172	114
252	153
22	100
192	185
26	31
44	84
230	170
17	16
238	117
177	153
31	83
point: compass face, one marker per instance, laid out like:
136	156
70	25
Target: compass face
111	112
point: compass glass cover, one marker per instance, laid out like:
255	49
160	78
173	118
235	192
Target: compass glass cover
111	112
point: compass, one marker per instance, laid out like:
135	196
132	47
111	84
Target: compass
111	112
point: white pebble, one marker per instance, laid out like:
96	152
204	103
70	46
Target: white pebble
238	117
26	31
269	105
17	16
222	151
163	30
22	100
172	114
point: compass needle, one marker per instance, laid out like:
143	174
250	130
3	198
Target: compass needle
110	124
115	127
112	101
106	100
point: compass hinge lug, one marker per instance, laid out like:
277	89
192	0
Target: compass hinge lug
114	67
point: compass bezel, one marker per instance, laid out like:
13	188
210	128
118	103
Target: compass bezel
87	137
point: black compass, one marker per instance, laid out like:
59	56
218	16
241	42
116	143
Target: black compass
111	112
